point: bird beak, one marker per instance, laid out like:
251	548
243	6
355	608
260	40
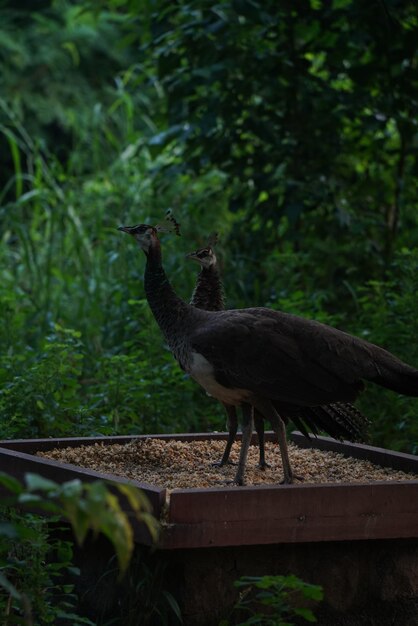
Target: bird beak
125	229
192	255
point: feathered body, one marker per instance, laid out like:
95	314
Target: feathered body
292	360
266	359
208	295
340	420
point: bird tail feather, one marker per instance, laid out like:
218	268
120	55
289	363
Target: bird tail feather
402	380
340	420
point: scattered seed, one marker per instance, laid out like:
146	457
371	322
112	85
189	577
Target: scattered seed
177	464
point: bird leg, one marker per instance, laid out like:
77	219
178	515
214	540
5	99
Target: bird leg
259	426
247	431
280	431
232	433
267	409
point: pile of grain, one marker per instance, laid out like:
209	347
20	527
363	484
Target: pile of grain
178	464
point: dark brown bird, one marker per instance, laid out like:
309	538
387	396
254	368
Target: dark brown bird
340	420
208	294
266	359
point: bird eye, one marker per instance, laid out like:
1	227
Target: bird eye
141	229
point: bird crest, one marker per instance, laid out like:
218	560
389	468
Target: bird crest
213	239
170	225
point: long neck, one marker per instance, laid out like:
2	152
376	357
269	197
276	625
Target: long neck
168	309
208	292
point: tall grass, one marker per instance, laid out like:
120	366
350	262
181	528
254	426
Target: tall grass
72	293
73	302
71	290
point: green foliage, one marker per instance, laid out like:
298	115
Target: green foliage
34	571
87	506
42	389
387	314
274	600
291	132
27	586
146	600
54	84
293	107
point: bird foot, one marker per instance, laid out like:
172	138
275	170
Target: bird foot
239	479
231	481
263	465
222	463
289	480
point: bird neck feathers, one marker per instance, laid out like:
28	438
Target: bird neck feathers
168	309
208	292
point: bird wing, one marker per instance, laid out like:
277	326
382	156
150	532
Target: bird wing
284	357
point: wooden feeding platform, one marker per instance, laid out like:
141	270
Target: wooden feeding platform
359	540
252	515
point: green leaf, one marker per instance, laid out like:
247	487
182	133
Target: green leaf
137	499
71	489
8	530
38	501
142	507
9	587
341	4
172	602
11	483
313	592
306	614
14	148
35	482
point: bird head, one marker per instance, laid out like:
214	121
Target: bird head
144	235
205	256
